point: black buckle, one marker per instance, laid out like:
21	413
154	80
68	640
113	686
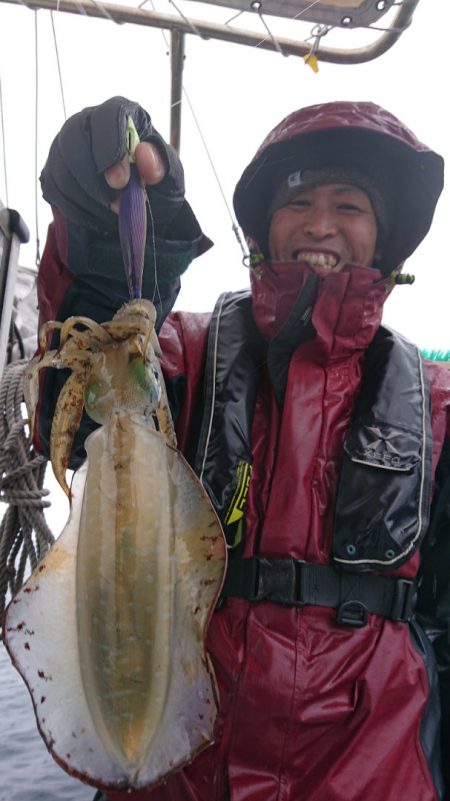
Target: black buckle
352	613
277	580
404	601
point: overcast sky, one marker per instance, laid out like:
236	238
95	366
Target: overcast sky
238	94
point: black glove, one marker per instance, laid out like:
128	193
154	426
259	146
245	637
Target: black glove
86	242
88	144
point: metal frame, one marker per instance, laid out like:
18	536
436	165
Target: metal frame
13	232
208	30
343	13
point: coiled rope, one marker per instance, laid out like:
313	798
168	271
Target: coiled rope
24	534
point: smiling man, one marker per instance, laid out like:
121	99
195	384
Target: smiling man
326	225
319	435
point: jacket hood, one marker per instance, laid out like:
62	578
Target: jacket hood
348	135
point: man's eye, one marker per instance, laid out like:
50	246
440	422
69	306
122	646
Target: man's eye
302	202
349	207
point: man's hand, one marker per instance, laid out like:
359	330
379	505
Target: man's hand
88	165
150	165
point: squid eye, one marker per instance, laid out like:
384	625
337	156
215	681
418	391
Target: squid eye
94	391
144	375
94	399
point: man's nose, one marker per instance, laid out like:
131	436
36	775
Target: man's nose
320	223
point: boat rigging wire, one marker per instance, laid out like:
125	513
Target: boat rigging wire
105	12
234	226
258	7
304	10
80	7
58	65
235	16
3	142
193	27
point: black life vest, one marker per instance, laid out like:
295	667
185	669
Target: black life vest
383	499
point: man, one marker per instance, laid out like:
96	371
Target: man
327	682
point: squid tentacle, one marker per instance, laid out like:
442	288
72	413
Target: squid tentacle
121	330
95	331
69	410
31	388
76	360
46	329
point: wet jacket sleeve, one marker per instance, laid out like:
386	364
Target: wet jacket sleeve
81	272
433	609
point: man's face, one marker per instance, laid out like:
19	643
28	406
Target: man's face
327	226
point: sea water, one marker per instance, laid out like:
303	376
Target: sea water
27	771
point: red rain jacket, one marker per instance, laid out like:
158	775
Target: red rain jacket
309	711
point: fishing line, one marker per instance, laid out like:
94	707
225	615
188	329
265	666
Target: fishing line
152	222
81	8
59	66
368	27
141	5
36	103
235	16
155	267
385	30
235	227
3	143
193	27
257	6
311	5
105	12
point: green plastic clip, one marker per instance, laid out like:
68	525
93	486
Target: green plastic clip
132	138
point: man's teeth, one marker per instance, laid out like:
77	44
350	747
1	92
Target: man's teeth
326	260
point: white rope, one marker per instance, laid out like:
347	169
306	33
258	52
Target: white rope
24	534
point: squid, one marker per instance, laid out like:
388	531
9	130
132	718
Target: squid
109	631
